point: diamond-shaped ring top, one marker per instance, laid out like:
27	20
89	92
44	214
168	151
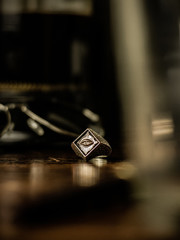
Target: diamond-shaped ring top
87	143
90	144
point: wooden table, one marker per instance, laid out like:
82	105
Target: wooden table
54	195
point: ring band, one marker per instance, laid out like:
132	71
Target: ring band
90	144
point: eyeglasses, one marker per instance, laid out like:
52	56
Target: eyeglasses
37	123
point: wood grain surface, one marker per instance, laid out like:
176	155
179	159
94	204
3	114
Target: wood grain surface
54	195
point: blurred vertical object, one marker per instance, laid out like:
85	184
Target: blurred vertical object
146	50
147	58
134	75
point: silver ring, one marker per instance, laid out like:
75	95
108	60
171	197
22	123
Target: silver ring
90	144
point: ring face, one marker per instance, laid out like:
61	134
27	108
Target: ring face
86	143
89	144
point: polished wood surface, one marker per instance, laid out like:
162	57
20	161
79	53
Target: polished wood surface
55	195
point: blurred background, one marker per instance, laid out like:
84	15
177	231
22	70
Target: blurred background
57	57
113	65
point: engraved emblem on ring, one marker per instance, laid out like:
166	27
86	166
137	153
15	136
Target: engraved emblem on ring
86	143
90	144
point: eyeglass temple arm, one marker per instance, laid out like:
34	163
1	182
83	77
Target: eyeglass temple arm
45	123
